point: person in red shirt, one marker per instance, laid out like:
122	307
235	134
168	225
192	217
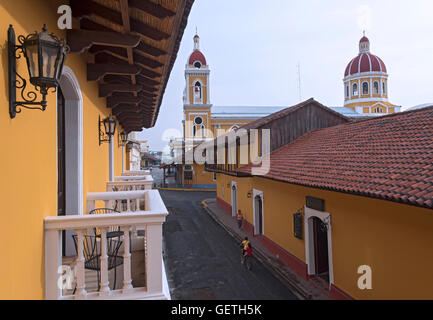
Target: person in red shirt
248	255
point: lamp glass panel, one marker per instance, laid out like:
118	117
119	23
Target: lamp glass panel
32	58
112	126
49	57
60	65
107	126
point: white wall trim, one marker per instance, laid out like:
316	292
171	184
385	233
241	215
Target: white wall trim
74	99
309	241
73	149
234	201
258	193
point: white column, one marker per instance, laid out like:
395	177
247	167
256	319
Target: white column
123	158
359	88
154	257
127	281
53	260
111	159
105	289
371	87
80	269
381	87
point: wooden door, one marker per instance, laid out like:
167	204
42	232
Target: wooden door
234	200
320	246
259	212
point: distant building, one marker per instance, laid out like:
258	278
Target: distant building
149	160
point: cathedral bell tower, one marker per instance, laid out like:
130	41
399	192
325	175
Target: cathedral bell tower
196	98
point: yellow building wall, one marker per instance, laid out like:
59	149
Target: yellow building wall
29	157
224	192
393	239
201	176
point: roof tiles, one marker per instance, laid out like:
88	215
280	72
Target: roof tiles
389	157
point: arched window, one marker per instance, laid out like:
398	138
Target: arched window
355	89
384	87
197	64
347	91
197	92
376	87
198	129
378	110
365	88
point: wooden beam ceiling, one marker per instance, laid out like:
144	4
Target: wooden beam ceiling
107	89
80	40
131	61
86	9
95	71
114	101
151	8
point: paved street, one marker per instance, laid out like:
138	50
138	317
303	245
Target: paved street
203	260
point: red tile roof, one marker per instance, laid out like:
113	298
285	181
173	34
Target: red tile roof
389	157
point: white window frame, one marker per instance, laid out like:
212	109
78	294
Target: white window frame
234	208
258	193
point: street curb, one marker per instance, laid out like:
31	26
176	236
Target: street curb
299	292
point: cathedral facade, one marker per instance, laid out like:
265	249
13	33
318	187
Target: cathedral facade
365	95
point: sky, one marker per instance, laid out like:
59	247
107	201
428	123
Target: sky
254	47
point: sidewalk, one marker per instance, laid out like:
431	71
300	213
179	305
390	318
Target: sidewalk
301	287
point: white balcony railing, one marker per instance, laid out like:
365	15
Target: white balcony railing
130	184
136	173
122	201
150	219
130	178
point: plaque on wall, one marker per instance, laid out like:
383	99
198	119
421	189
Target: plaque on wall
315	203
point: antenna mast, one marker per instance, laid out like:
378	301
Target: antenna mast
299	82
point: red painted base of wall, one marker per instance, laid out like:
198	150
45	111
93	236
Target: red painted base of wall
284	256
337	294
227	207
248	227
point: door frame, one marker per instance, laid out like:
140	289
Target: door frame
234	203
258	193
309	241
73	149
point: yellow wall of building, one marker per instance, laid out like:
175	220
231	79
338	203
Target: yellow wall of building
393	239
201	176
29	157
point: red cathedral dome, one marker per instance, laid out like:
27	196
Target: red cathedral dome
365	61
195	56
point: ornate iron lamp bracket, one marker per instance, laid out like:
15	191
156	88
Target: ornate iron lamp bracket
15	52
